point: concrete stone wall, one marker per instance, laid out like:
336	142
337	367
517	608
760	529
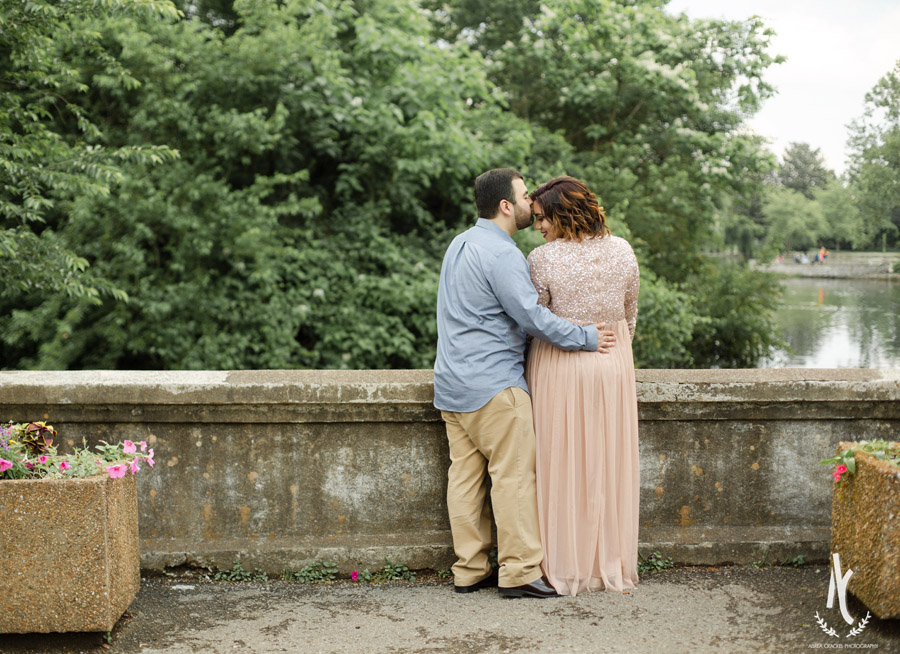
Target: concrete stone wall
277	468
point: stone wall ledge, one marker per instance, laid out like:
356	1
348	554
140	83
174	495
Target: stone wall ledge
406	395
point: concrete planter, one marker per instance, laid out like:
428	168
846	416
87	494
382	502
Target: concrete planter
68	553
865	531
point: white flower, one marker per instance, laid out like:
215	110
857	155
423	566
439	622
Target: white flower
318	293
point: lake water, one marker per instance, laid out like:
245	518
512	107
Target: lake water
839	323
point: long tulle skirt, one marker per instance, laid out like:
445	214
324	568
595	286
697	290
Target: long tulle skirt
588	470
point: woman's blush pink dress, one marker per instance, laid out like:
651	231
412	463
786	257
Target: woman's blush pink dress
585	418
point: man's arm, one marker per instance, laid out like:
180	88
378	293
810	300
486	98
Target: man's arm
511	282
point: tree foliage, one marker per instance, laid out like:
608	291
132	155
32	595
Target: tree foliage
804	170
51	150
805	205
875	161
326	155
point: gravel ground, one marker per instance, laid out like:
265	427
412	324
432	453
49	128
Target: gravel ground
691	609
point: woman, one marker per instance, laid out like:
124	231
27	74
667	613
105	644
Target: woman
585	403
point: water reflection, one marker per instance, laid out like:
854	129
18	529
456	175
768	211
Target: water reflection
839	323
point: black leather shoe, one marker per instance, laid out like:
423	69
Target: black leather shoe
539	588
488	582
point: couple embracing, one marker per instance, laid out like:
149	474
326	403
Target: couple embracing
558	434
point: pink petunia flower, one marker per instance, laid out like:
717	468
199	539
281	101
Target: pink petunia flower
28	465
134	466
116	471
354	575
42	460
143	446
149	458
65	465
836	475
841	469
5	465
129	448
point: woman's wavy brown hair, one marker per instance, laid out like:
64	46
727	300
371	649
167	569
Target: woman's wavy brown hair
570	206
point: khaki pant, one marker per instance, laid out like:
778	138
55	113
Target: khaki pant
498	439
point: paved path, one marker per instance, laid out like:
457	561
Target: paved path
695	610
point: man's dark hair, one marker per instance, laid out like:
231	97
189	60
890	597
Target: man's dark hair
493	186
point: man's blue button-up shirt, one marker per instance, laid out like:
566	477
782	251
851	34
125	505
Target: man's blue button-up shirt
486	304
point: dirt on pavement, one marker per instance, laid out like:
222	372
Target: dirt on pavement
686	609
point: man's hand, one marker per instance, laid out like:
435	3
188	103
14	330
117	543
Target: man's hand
605	338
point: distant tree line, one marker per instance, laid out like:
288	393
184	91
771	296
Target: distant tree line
229	185
803	205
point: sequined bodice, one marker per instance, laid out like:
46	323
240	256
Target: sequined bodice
595	280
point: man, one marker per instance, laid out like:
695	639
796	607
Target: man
486	303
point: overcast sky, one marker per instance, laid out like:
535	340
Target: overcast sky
836	51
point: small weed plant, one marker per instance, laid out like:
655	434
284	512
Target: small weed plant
237	573
653	563
395	572
314	572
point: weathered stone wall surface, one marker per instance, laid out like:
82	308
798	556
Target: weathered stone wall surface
281	467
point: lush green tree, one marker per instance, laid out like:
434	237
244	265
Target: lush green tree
838	205
486	25
51	151
323	163
327	150
799	206
875	162
742	221
804	169
738	309
795	223
668	316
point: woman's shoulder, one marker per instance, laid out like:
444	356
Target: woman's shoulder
618	244
541	252
617	241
